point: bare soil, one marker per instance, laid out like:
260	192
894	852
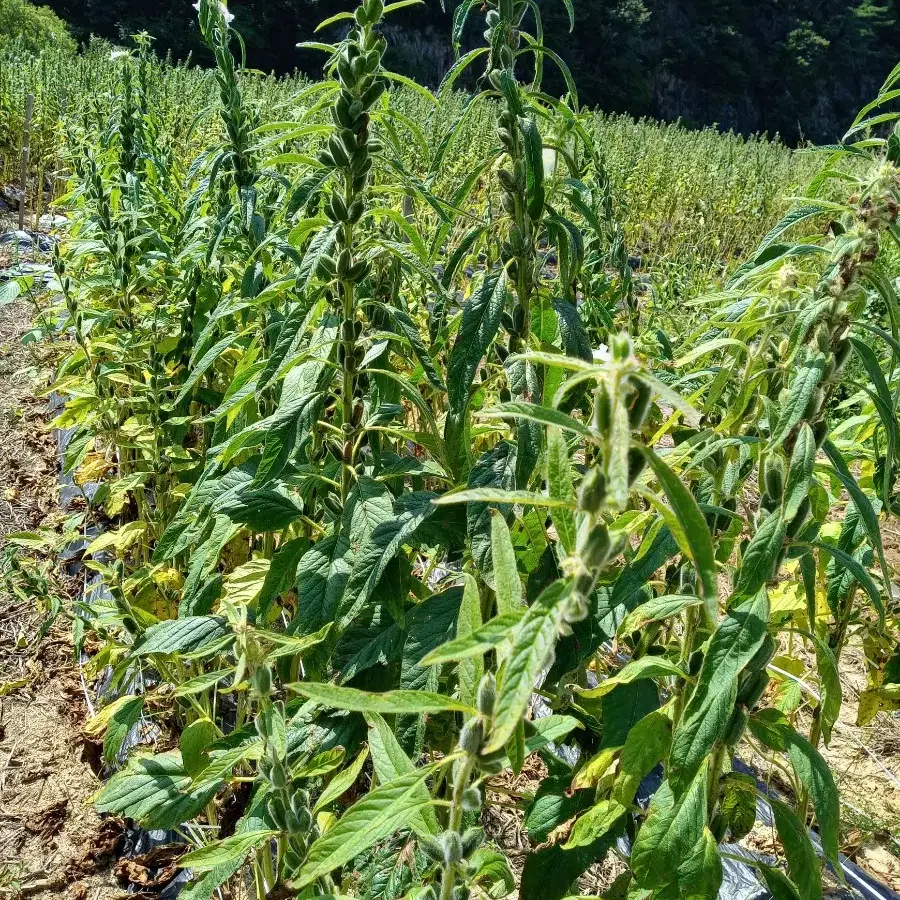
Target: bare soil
52	843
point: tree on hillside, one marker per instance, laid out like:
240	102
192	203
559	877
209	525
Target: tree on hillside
36	27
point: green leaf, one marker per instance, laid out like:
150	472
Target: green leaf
779	885
829	687
182	635
155	791
476	642
342	782
800	472
760	559
321	578
739	635
645	667
387	703
490	495
125	716
390	762
507	585
195	740
646	745
805	381
673	827
801	856
864	506
560	487
697	539
544	415
534	168
700	875
225	851
599	820
816	777
471	669
262	510
656	609
532	646
383	545
480	321
375	817
738	804
858	571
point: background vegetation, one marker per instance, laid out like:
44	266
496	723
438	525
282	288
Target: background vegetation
800	69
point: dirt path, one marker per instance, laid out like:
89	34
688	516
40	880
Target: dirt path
52	843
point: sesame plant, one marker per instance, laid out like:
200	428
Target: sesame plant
406	492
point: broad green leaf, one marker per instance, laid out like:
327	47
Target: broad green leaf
480	321
391	762
342	782
262	510
760	559
779	885
800	472
195	740
321	578
801	857
559	486
816	777
507	585
645	667
155	791
476	642
863	505
805	381
471	670
700	875
734	643
383	545
489	495
698	540
544	415
375	817
121	721
829	687
656	609
646	745
599	820
182	635
673	827
386	703
532	645
225	851
534	168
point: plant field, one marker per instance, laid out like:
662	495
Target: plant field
447	456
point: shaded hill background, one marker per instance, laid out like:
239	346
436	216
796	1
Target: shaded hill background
801	68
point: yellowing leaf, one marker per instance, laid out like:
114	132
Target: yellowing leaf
243	585
96	725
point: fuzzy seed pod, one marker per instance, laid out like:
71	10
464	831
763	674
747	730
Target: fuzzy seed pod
637	462
472	839
752	687
487	695
592	492
451	844
472	800
773	477
431	848
763	656
602	409
471	736
800	518
640	406
595	552
735	728
262	681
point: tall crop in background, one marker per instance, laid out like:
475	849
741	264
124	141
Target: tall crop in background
384	520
